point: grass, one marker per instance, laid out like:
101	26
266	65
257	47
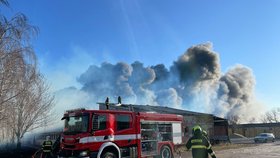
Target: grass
217	147
227	146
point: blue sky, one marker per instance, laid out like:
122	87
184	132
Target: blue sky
77	33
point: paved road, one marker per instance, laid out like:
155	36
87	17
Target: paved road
262	150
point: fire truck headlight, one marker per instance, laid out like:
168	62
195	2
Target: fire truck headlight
84	153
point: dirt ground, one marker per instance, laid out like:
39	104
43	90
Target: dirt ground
261	150
240	149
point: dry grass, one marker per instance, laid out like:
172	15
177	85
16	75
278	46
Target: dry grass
227	146
218	147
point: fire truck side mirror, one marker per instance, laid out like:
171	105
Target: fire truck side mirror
65	118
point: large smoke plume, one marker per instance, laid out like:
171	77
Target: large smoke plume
193	82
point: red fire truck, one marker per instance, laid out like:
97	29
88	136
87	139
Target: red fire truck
119	134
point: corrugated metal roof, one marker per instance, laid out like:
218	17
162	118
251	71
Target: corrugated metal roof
158	109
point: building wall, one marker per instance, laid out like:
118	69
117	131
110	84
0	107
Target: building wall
220	130
251	130
205	121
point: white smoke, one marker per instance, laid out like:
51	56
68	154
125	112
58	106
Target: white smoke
235	94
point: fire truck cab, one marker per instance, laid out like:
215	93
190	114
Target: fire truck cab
119	134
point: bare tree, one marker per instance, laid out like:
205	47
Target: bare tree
272	116
233	119
4	2
32	107
25	102
15	35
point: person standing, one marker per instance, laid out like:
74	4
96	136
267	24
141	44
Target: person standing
107	103
47	148
119	100
199	144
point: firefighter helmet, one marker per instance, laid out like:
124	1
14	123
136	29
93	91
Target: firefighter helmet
197	130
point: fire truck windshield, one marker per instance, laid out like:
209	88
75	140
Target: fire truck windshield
76	124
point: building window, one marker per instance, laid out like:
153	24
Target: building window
123	122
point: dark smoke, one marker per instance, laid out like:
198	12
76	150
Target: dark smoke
195	71
199	63
193	82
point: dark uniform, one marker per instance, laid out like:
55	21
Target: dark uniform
107	103
47	148
199	144
119	100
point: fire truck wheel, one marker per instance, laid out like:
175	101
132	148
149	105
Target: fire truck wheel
109	155
165	152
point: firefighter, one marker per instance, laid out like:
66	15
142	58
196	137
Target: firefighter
47	148
119	100
199	144
107	103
